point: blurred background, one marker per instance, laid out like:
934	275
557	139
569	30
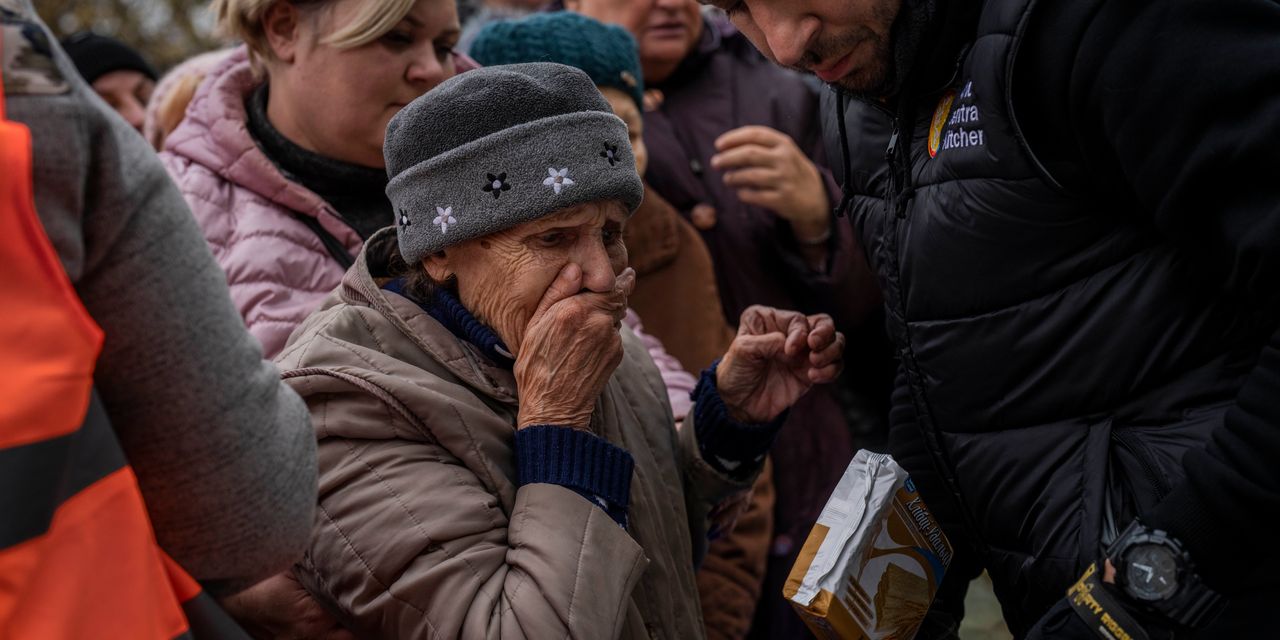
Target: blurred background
166	31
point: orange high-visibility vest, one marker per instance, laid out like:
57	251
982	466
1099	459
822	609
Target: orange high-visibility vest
78	557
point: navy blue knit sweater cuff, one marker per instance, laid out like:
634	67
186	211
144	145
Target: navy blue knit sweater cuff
733	448
579	460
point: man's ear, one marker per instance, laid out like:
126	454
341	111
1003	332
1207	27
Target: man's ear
572	5
281	25
437	266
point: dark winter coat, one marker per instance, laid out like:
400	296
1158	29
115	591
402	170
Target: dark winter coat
1079	250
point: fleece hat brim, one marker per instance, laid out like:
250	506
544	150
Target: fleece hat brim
95	56
494	148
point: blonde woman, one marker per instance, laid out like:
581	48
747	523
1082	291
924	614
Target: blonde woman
280	152
280	157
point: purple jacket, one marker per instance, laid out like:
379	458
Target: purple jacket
725	84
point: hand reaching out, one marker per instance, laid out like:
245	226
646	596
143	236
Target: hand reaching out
775	358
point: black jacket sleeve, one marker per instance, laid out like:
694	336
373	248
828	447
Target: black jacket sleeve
1176	104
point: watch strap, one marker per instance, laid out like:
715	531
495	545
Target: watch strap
1101	611
1194	606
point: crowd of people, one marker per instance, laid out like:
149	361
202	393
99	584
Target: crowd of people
464	319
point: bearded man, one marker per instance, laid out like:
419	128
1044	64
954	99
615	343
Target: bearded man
1073	213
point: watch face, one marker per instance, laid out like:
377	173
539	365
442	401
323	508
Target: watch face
1151	572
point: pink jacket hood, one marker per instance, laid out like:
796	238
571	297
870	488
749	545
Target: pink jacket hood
277	268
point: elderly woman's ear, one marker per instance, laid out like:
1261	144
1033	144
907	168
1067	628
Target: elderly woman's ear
437	266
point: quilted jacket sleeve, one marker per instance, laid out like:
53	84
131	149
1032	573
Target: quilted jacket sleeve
707	491
409	543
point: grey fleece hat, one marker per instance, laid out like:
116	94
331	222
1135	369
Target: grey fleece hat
499	146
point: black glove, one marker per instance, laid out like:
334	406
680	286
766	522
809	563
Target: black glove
1094	599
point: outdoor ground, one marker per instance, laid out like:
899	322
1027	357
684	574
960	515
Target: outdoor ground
982	619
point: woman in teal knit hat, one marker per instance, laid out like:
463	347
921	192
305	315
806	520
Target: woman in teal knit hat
668	254
675	291
607	53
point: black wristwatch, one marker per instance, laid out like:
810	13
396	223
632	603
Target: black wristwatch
1155	572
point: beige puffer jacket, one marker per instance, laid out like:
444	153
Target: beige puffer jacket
422	531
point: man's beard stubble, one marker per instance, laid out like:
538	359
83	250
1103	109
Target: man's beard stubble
875	77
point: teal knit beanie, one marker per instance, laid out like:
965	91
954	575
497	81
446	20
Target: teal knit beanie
607	53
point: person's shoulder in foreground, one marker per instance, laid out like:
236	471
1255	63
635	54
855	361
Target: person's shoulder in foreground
222	449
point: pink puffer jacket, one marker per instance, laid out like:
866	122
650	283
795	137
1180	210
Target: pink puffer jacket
277	268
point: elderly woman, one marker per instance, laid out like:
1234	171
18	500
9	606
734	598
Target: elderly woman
280	152
675	288
497	454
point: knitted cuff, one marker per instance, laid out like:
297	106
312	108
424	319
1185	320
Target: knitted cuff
578	460
733	448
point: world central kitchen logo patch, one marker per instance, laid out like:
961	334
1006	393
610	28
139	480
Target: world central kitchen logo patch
957	122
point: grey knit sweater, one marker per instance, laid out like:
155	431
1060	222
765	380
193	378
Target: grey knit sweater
222	449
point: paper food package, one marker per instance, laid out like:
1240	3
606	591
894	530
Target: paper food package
873	562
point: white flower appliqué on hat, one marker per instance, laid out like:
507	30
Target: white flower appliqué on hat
444	218
557	180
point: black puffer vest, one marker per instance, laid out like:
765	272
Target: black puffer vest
1061	355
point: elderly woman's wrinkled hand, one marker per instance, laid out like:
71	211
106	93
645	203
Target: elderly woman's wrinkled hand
570	349
775	358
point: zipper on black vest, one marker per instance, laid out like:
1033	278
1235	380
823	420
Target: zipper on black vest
899	193
901	188
846	193
890	157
